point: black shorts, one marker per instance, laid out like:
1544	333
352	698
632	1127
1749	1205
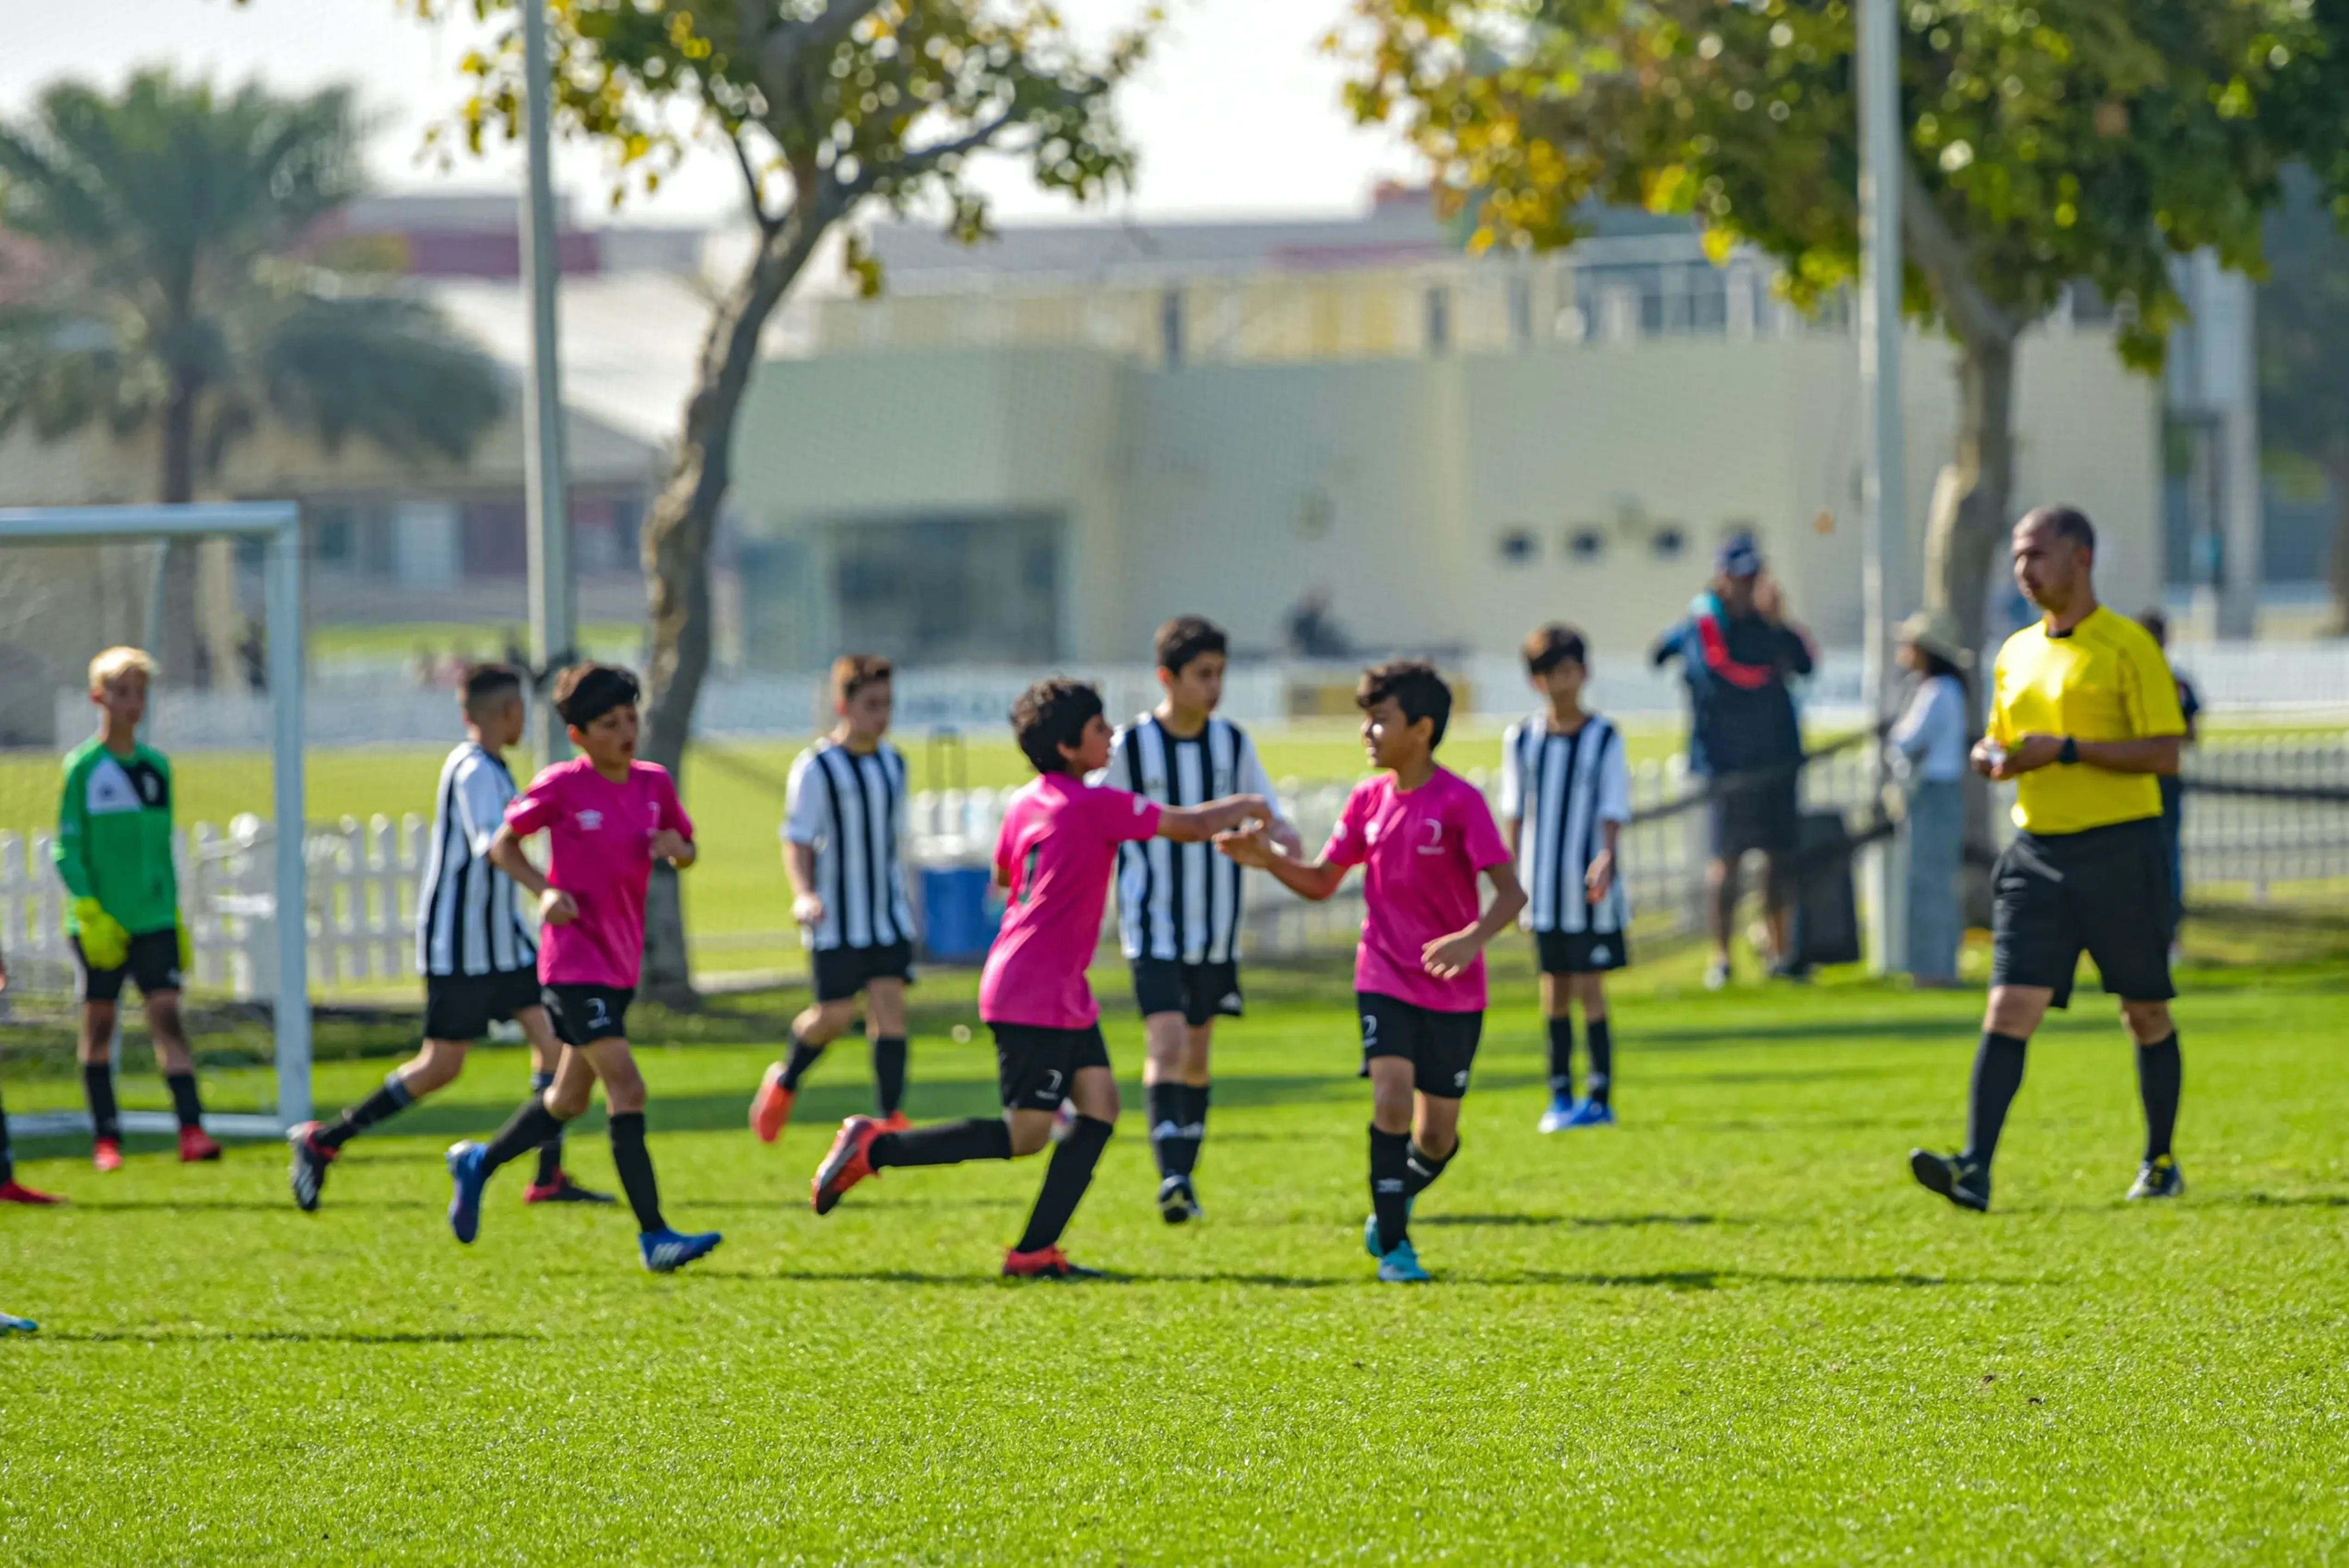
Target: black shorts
2106	891
1201	993
1755	814
583	1014
153	961
1441	1046
843	972
463	1006
1034	1065
1582	952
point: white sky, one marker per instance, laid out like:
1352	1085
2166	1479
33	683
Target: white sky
1238	113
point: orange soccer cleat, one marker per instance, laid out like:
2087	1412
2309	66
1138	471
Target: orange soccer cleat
107	1153
197	1146
845	1165
1045	1264
897	1121
14	1191
770	1107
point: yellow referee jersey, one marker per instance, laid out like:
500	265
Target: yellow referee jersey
2105	680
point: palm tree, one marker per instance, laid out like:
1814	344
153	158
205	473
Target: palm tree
187	304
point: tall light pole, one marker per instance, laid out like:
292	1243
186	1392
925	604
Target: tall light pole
554	609
1883	482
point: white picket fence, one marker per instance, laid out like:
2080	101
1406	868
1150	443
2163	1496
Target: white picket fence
363	877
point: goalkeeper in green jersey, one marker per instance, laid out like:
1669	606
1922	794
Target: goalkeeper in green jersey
114	856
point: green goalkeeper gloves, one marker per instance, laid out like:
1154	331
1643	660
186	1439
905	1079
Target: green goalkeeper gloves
104	943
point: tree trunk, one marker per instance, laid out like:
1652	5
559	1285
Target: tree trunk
173	644
1969	519
677	548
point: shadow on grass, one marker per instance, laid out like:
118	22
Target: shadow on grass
223	1205
1715	1279
2273	1199
972	1280
284	1336
1582	1221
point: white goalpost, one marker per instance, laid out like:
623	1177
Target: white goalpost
56	607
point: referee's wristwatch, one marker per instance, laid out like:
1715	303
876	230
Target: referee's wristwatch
2071	751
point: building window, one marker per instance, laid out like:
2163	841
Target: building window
1669	542
1518	548
1170	327
1586	547
1521	310
335	537
1439	320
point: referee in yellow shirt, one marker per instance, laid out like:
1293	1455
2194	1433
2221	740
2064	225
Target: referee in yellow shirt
2085	717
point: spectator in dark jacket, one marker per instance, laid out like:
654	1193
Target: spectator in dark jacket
1737	652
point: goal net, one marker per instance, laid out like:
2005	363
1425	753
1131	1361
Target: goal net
225	712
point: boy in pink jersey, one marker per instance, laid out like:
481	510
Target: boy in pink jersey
1054	857
1423	833
606	817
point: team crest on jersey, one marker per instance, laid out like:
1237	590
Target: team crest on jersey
115	787
590	821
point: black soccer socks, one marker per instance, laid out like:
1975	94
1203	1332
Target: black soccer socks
635	1167
803	1058
947	1142
185	1105
98	1088
888	1073
550	1153
1165	1105
530	1125
386	1102
2160	1076
1561	1056
1065	1180
1421	1168
7	1160
1390	1187
1602	1059
1998	1074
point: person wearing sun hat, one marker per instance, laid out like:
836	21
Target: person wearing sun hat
1929	749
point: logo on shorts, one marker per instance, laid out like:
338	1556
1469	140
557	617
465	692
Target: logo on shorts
1231	1002
590	821
1601	953
1459	1079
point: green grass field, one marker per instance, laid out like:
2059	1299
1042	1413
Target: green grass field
1729	1330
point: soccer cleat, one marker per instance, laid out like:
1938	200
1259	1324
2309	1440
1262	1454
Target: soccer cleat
14	1191
1716	975
666	1251
466	1170
897	1121
17	1325
1400	1266
106	1154
2160	1177
1177	1202
1064	1121
1955	1178
1371	1238
1591	1114
562	1190
845	1165
1046	1263
308	1175
770	1107
196	1146
1560	1114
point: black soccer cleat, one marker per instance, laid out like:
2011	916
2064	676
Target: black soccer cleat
311	1158
1961	1181
1178	1204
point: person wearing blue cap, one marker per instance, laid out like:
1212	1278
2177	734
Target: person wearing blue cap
1737	651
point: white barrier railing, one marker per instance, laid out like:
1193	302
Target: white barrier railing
363	877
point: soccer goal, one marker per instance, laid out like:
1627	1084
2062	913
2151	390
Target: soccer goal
74	582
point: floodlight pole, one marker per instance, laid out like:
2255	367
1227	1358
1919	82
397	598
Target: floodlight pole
553	593
1883	483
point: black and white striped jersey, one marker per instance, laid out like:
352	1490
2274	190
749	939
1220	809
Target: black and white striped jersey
1559	787
467	918
1181	901
850	810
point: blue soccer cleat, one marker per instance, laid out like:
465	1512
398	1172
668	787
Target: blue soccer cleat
1591	1114
2159	1178
1371	1227
17	1325
466	1170
1401	1267
1560	1114
666	1251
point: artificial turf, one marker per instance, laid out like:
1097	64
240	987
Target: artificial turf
1728	1331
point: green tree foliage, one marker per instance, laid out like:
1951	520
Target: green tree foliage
174	220
2303	336
828	108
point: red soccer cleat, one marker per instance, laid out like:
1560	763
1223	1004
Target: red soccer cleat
196	1146
106	1154
562	1190
770	1107
897	1121
1045	1264
845	1165
14	1191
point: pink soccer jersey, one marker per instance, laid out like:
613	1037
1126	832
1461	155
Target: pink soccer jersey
599	843
1057	849
1424	849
